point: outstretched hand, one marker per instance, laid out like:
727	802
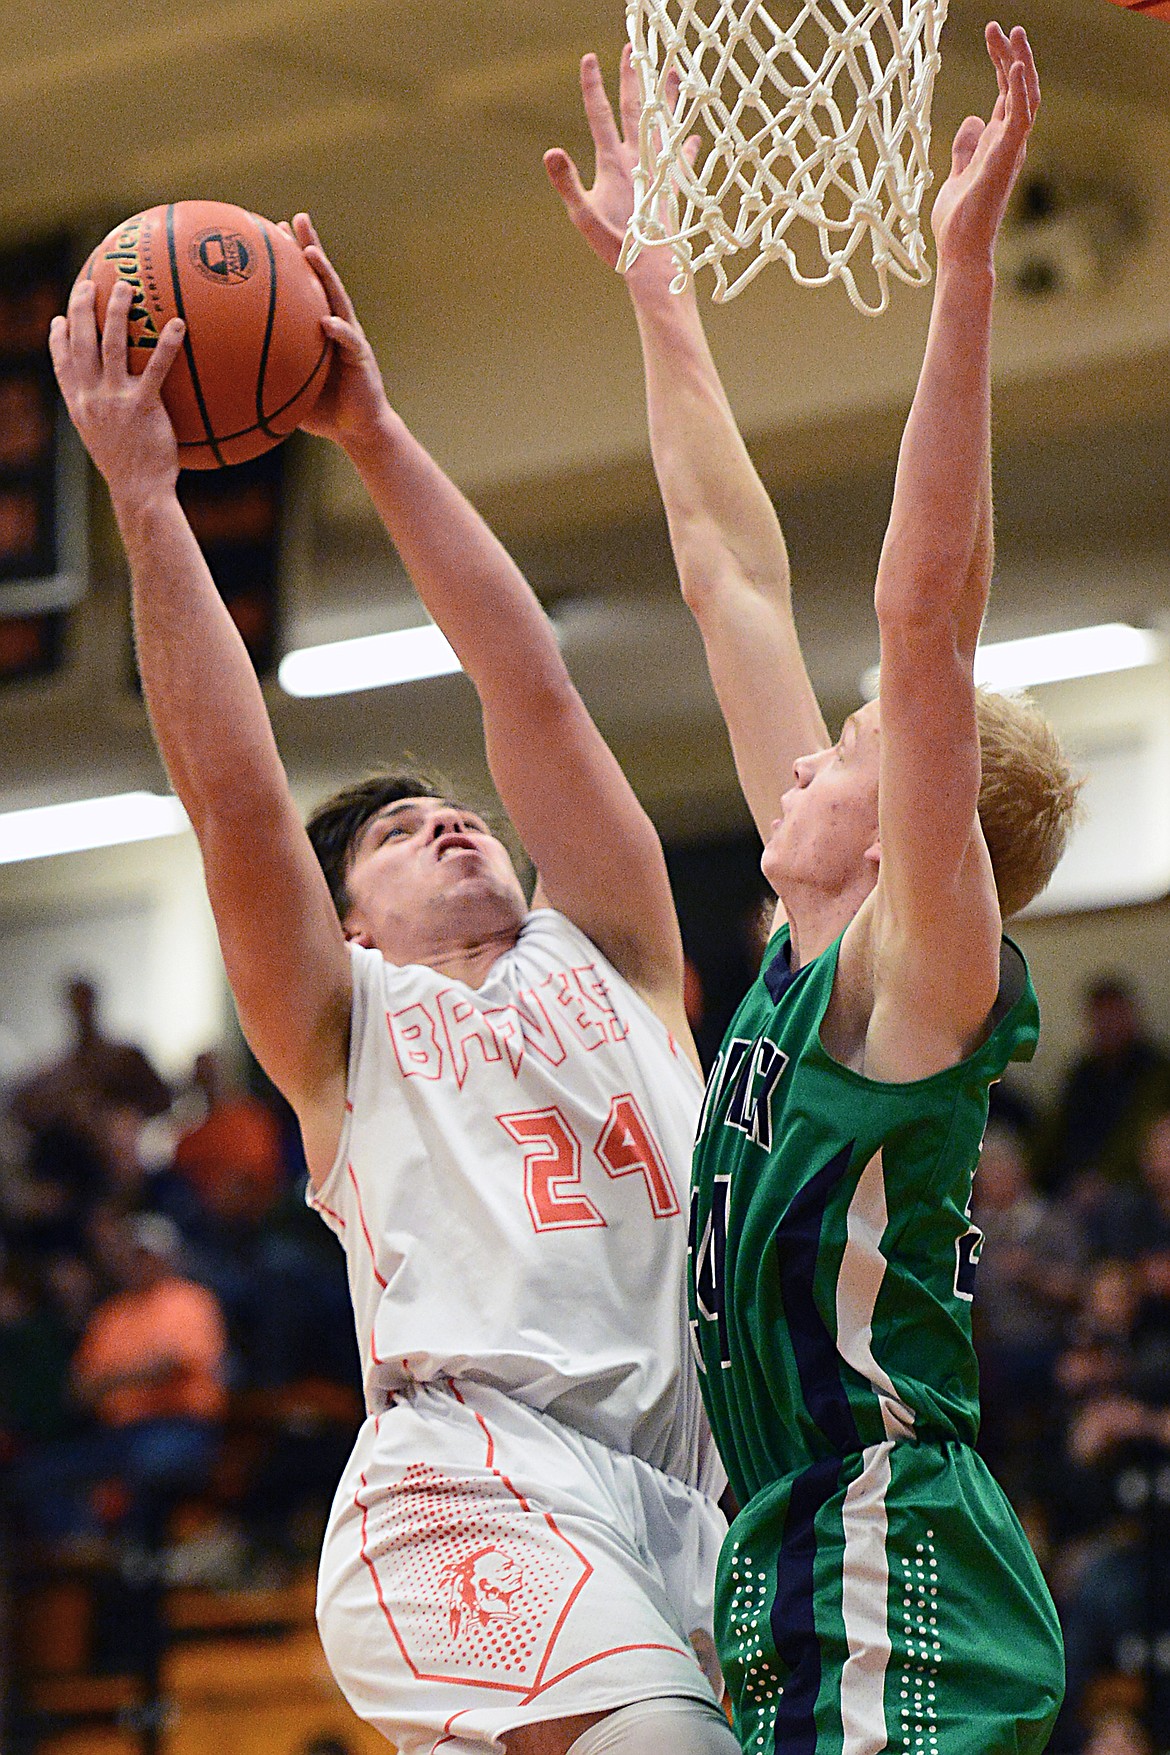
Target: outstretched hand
987	156
353	399
119	414
601	214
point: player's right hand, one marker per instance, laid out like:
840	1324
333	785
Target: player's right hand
119	414
601	214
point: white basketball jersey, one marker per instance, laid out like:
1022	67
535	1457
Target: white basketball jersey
511	1190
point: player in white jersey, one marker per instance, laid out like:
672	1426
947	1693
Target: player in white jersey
496	1106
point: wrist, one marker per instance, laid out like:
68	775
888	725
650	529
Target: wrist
379	431
971	272
141	507
666	315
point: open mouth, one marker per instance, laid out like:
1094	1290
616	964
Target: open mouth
454	844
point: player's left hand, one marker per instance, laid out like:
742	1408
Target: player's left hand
353	400
987	156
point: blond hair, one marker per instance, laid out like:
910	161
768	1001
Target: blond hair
1027	796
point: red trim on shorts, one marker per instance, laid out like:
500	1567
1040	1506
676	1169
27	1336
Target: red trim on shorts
540	1686
446	1736
491	1444
611	1651
419	1675
365	1511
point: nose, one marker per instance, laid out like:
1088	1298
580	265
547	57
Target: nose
803	769
449	821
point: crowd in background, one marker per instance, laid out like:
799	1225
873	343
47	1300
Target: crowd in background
174	1322
177	1360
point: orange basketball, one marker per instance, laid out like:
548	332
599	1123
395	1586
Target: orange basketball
1151	8
254	357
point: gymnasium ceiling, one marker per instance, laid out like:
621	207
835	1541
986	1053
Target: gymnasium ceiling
414	132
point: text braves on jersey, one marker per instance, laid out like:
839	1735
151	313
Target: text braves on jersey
452	1033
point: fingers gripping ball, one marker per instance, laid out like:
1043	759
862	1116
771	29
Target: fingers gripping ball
255	357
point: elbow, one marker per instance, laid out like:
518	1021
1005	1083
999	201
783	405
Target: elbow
541	697
928	594
716	581
931	568
699	589
923	630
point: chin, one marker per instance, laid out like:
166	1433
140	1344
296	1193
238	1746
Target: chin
483	896
771	865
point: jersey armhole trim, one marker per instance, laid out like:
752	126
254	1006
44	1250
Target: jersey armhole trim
328	1194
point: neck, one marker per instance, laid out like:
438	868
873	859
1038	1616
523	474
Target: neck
470	962
816	919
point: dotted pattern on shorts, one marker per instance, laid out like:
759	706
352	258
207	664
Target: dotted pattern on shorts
749	1638
473	1582
922	1653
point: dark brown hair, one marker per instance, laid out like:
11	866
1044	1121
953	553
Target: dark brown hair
337	821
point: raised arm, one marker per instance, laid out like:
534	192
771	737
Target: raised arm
935	907
282	943
727	541
596	851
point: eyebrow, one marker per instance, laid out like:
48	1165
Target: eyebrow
402	805
387	811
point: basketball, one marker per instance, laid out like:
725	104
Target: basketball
254	357
1151	8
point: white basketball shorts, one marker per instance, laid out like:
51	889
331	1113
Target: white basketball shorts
486	1567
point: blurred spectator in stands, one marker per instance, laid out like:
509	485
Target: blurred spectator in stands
280	1279
1030	1277
1117	1730
1152	1218
1110	1528
223	1186
149	1373
95	1073
1123	1221
1009	1105
1109	1095
81	1116
231	1158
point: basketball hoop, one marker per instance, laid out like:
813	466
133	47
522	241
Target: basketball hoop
823	119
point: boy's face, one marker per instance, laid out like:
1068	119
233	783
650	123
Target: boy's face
828	822
426	874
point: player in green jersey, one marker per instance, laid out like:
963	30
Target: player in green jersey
876	1591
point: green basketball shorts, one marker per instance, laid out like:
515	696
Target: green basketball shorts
887	1601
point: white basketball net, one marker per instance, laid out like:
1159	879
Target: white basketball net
818	110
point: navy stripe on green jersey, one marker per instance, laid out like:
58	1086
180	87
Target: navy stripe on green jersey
798	1243
792	1618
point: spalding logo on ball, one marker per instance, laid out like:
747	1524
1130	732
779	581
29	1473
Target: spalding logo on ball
254	356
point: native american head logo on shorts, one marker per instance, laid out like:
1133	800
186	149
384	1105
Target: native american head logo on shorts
482	1588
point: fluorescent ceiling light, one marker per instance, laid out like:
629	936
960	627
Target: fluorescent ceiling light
1047	658
377	661
49	829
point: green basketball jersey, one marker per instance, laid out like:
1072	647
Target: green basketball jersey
832	1256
